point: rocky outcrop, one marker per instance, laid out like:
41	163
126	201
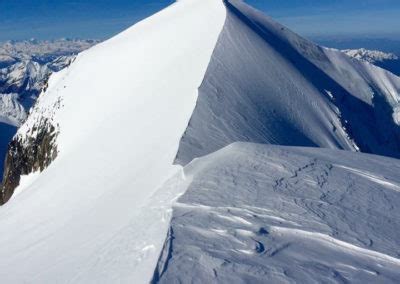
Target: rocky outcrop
33	148
28	154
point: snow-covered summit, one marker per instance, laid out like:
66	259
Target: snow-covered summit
101	158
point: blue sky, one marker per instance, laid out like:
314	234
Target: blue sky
336	17
50	19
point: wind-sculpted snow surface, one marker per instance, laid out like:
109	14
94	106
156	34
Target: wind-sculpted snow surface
255	213
266	84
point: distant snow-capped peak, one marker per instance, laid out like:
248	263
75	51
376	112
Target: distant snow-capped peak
371	56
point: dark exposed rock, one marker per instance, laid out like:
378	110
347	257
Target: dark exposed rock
27	155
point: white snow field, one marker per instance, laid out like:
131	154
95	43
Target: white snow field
184	83
257	213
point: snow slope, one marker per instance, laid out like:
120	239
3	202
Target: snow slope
181	84
83	219
255	213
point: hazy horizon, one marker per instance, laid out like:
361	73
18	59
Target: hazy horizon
45	19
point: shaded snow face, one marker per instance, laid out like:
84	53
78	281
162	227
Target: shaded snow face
266	84
260	212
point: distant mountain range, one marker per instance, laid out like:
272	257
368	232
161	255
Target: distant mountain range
385	44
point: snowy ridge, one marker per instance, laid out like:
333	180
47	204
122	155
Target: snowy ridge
312	96
138	122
